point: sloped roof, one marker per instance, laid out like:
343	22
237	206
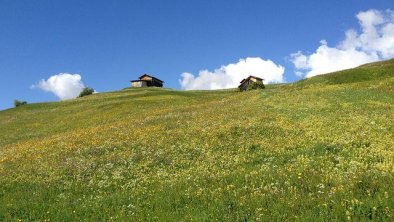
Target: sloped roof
141	80
258	78
150	76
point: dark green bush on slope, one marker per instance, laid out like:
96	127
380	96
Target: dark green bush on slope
19	103
86	91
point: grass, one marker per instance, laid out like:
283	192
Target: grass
316	150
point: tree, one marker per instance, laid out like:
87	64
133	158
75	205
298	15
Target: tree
86	91
19	103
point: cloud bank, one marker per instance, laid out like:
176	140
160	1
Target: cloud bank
63	85
229	76
374	42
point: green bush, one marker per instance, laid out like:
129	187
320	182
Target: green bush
256	85
19	103
86	91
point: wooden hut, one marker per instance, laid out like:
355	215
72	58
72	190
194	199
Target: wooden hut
147	81
246	82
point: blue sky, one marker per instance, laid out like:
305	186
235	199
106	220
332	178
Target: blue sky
109	43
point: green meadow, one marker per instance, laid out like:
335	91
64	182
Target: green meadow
320	149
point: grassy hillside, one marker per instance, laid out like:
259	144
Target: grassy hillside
368	72
319	149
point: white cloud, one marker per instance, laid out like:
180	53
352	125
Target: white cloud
229	76
63	85
374	42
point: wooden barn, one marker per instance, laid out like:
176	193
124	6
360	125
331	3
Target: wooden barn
147	81
246	82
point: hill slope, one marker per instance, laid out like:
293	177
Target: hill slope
318	148
368	72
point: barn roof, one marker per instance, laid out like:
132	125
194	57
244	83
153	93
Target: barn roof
258	78
150	76
141	80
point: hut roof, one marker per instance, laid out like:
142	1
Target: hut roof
141	80
258	78
150	76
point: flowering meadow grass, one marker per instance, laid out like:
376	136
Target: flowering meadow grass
317	150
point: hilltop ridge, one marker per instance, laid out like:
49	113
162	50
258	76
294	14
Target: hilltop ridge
375	71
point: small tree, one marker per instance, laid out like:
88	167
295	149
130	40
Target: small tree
19	103
86	91
256	85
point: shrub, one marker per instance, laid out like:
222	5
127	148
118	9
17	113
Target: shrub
86	91
256	85
19	103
